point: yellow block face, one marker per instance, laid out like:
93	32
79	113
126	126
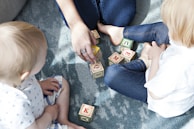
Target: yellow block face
95	49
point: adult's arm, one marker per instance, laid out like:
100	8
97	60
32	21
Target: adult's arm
81	36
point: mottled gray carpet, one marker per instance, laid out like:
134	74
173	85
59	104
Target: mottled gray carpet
113	111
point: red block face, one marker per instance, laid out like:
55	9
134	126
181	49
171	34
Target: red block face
86	110
115	58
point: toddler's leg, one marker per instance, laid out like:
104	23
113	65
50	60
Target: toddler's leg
140	33
147	33
128	79
63	102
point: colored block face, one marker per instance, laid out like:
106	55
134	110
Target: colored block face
95	49
127	43
128	54
115	58
86	112
97	70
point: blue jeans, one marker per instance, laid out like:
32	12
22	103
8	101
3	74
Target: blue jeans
114	12
128	79
147	32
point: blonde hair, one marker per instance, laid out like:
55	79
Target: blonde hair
20	45
178	16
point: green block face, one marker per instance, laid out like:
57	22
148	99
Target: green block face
127	43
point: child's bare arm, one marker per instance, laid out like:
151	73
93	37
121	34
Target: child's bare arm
50	114
155	57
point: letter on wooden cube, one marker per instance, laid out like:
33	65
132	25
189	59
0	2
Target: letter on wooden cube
126	43
97	70
115	58
128	54
86	112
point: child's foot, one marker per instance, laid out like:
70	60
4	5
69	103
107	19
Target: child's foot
115	33
144	54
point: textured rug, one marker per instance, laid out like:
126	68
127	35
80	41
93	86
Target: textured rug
113	110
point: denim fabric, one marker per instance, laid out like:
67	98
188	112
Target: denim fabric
128	79
117	12
148	32
114	12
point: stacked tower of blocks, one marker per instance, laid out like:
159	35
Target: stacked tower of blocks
96	69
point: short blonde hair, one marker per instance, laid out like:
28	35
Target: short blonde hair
178	16
20	45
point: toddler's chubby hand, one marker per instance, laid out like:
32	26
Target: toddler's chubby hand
156	50
49	85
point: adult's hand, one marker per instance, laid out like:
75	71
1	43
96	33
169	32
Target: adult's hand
82	40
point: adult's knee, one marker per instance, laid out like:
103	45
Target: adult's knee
121	15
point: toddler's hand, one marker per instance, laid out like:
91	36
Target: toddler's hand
156	50
49	85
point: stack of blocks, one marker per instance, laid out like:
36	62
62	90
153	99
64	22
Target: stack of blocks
126	53
96	69
86	112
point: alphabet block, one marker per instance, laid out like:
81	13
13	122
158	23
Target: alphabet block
97	69
126	43
115	58
86	112
96	35
97	52
127	54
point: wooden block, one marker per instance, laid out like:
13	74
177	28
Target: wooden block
96	35
86	112
115	58
97	52
97	70
126	43
128	54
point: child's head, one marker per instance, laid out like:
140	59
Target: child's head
22	51
178	16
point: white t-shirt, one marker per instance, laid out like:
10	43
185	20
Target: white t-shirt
174	82
15	108
33	91
20	106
